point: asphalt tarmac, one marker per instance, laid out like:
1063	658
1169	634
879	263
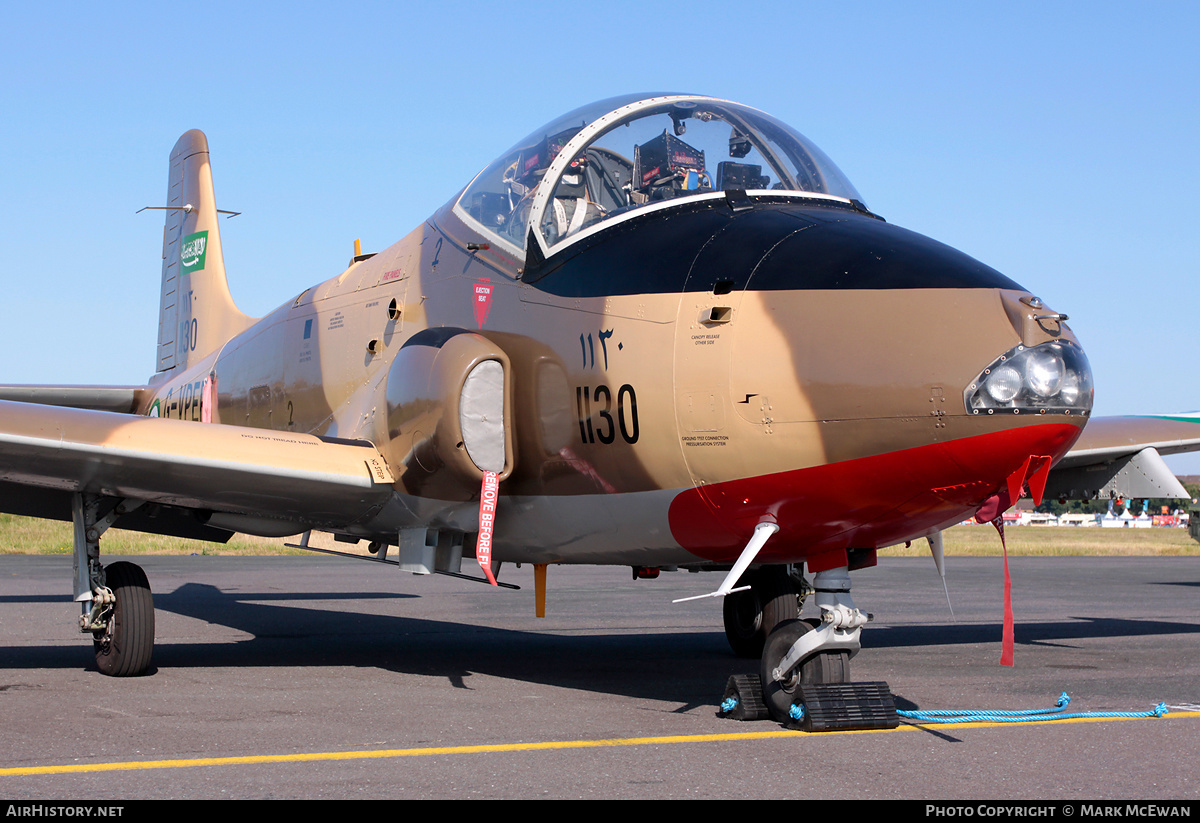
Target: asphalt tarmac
330	678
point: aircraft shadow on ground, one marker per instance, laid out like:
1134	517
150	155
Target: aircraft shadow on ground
1025	632
671	666
667	666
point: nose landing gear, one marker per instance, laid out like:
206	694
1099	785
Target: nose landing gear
821	667
801	652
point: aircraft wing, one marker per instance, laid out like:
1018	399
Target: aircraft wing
123	399
1122	457
286	481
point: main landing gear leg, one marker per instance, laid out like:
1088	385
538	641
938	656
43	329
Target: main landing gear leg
118	608
750	616
799	652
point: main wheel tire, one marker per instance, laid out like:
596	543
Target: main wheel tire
825	667
751	615
124	650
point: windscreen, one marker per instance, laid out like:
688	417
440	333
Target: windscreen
639	151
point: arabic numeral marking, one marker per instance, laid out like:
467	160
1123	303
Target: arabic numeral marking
588	348
606	426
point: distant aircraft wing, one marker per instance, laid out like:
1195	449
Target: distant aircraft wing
287	481
1122	457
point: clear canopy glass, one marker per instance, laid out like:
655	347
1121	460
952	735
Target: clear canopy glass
616	157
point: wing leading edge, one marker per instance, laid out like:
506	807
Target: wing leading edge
294	481
1122	457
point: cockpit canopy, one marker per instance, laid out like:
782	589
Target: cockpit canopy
625	155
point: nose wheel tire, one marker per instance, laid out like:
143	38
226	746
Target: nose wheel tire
823	667
124	647
751	615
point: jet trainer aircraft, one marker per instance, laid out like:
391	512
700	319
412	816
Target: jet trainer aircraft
661	332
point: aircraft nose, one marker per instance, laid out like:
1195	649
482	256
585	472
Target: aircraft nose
848	355
838	249
831	315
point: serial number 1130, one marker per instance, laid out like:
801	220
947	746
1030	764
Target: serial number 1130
596	404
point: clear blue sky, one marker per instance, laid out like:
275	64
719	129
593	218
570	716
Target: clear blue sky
1057	142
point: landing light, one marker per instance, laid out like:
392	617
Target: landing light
1050	377
1045	372
1003	384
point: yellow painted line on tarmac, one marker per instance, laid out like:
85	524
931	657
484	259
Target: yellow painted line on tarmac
309	757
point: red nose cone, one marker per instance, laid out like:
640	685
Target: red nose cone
865	503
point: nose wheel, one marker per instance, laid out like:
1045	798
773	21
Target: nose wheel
820	668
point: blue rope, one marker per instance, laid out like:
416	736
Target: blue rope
1063	700
797	713
1028	716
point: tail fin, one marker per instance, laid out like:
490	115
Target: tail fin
196	314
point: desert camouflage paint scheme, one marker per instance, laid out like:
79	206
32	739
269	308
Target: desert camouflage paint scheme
660	321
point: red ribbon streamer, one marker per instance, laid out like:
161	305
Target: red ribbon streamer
1006	642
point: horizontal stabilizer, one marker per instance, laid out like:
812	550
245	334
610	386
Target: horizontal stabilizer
120	399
